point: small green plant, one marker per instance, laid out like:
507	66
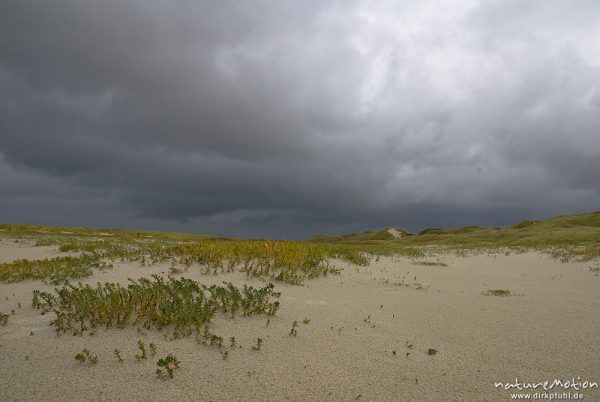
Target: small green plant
306	320
216	340
152	349
168	363
86	356
498	292
3	319
142	348
232	341
225	355
117	354
258	344
293	331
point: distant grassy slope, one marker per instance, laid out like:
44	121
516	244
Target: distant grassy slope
565	237
581	229
383	234
572	230
23	230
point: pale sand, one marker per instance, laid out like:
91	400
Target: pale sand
395	232
550	331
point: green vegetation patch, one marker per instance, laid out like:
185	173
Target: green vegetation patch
85	356
575	237
498	292
182	303
52	269
169	363
287	261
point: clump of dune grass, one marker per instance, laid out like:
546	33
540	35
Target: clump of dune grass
142	348
182	303
287	261
168	363
258	345
498	292
117	354
294	331
3	319
54	270
86	356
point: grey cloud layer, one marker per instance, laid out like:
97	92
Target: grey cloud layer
290	118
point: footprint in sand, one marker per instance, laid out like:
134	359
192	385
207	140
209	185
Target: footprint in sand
320	302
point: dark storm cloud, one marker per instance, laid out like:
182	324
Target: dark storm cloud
290	118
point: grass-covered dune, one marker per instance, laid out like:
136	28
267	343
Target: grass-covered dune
581	229
383	234
288	261
37	231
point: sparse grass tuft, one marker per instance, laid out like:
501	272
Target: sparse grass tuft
168	363
498	292
117	354
258	344
142	349
294	331
86	356
3	319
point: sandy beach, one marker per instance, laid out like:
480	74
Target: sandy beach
367	336
296	201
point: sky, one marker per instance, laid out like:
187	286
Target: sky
285	119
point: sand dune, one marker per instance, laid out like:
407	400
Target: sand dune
368	337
